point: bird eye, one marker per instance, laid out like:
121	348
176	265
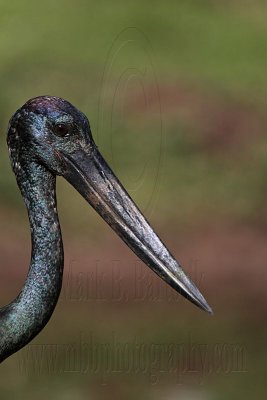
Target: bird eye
61	130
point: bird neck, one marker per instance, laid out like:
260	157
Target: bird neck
38	188
24	318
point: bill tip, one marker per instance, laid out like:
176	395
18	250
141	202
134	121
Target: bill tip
206	308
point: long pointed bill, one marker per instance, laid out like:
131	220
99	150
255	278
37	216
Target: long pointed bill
91	176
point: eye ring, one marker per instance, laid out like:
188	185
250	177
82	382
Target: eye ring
61	129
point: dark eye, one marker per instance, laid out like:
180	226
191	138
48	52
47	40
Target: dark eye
61	129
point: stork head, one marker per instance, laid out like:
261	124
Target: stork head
51	132
45	128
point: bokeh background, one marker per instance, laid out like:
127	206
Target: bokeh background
176	94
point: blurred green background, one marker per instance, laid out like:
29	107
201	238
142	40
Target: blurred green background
176	94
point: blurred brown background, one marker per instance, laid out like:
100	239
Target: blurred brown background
176	94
